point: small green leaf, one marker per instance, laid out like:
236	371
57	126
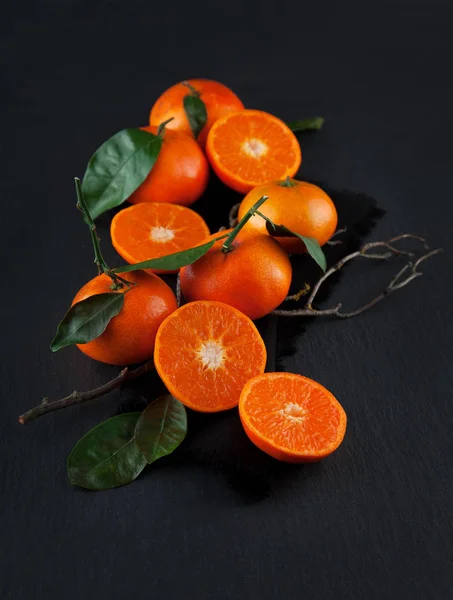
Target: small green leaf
195	112
312	245
86	320
107	456
170	262
118	167
309	124
162	426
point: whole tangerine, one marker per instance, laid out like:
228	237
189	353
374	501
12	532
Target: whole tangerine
254	276
129	337
301	206
179	175
218	99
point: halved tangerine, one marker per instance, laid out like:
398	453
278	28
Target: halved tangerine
291	417
206	352
252	147
153	229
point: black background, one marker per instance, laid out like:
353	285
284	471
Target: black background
373	520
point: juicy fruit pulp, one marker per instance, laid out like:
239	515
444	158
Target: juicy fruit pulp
205	352
129	337
251	147
153	229
292	418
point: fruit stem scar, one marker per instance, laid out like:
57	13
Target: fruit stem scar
193	91
288	182
227	246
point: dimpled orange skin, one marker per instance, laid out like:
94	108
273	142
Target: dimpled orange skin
254	277
218	99
180	174
129	337
304	208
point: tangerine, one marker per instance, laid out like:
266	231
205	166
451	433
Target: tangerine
302	207
205	353
218	99
179	175
129	337
254	276
252	147
290	417
153	229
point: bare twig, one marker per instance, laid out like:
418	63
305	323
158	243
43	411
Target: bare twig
47	406
233	216
332	241
398	281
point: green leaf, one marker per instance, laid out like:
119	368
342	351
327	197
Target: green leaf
162	426
118	167
309	124
86	320
312	245
107	456
170	262
195	112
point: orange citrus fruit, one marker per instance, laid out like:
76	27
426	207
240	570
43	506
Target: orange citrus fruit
129	337
254	276
205	353
218	99
292	418
252	147
179	175
153	229
302	207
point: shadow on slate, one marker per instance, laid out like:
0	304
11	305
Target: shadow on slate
217	441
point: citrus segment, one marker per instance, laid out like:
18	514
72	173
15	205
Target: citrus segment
291	417
251	147
205	352
153	229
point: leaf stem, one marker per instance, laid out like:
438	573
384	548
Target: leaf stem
117	281
193	91
161	128
227	246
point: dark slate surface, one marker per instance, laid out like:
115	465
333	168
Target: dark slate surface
219	519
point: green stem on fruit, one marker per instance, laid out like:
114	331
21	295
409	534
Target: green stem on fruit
117	281
161	128
227	246
288	182
260	214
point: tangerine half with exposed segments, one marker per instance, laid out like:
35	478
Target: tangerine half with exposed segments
129	337
291	417
252	147
154	229
254	276
179	175
206	352
218	99
302	207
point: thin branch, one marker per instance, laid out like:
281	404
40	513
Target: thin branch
80	397
396	283
233	216
332	241
178	290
